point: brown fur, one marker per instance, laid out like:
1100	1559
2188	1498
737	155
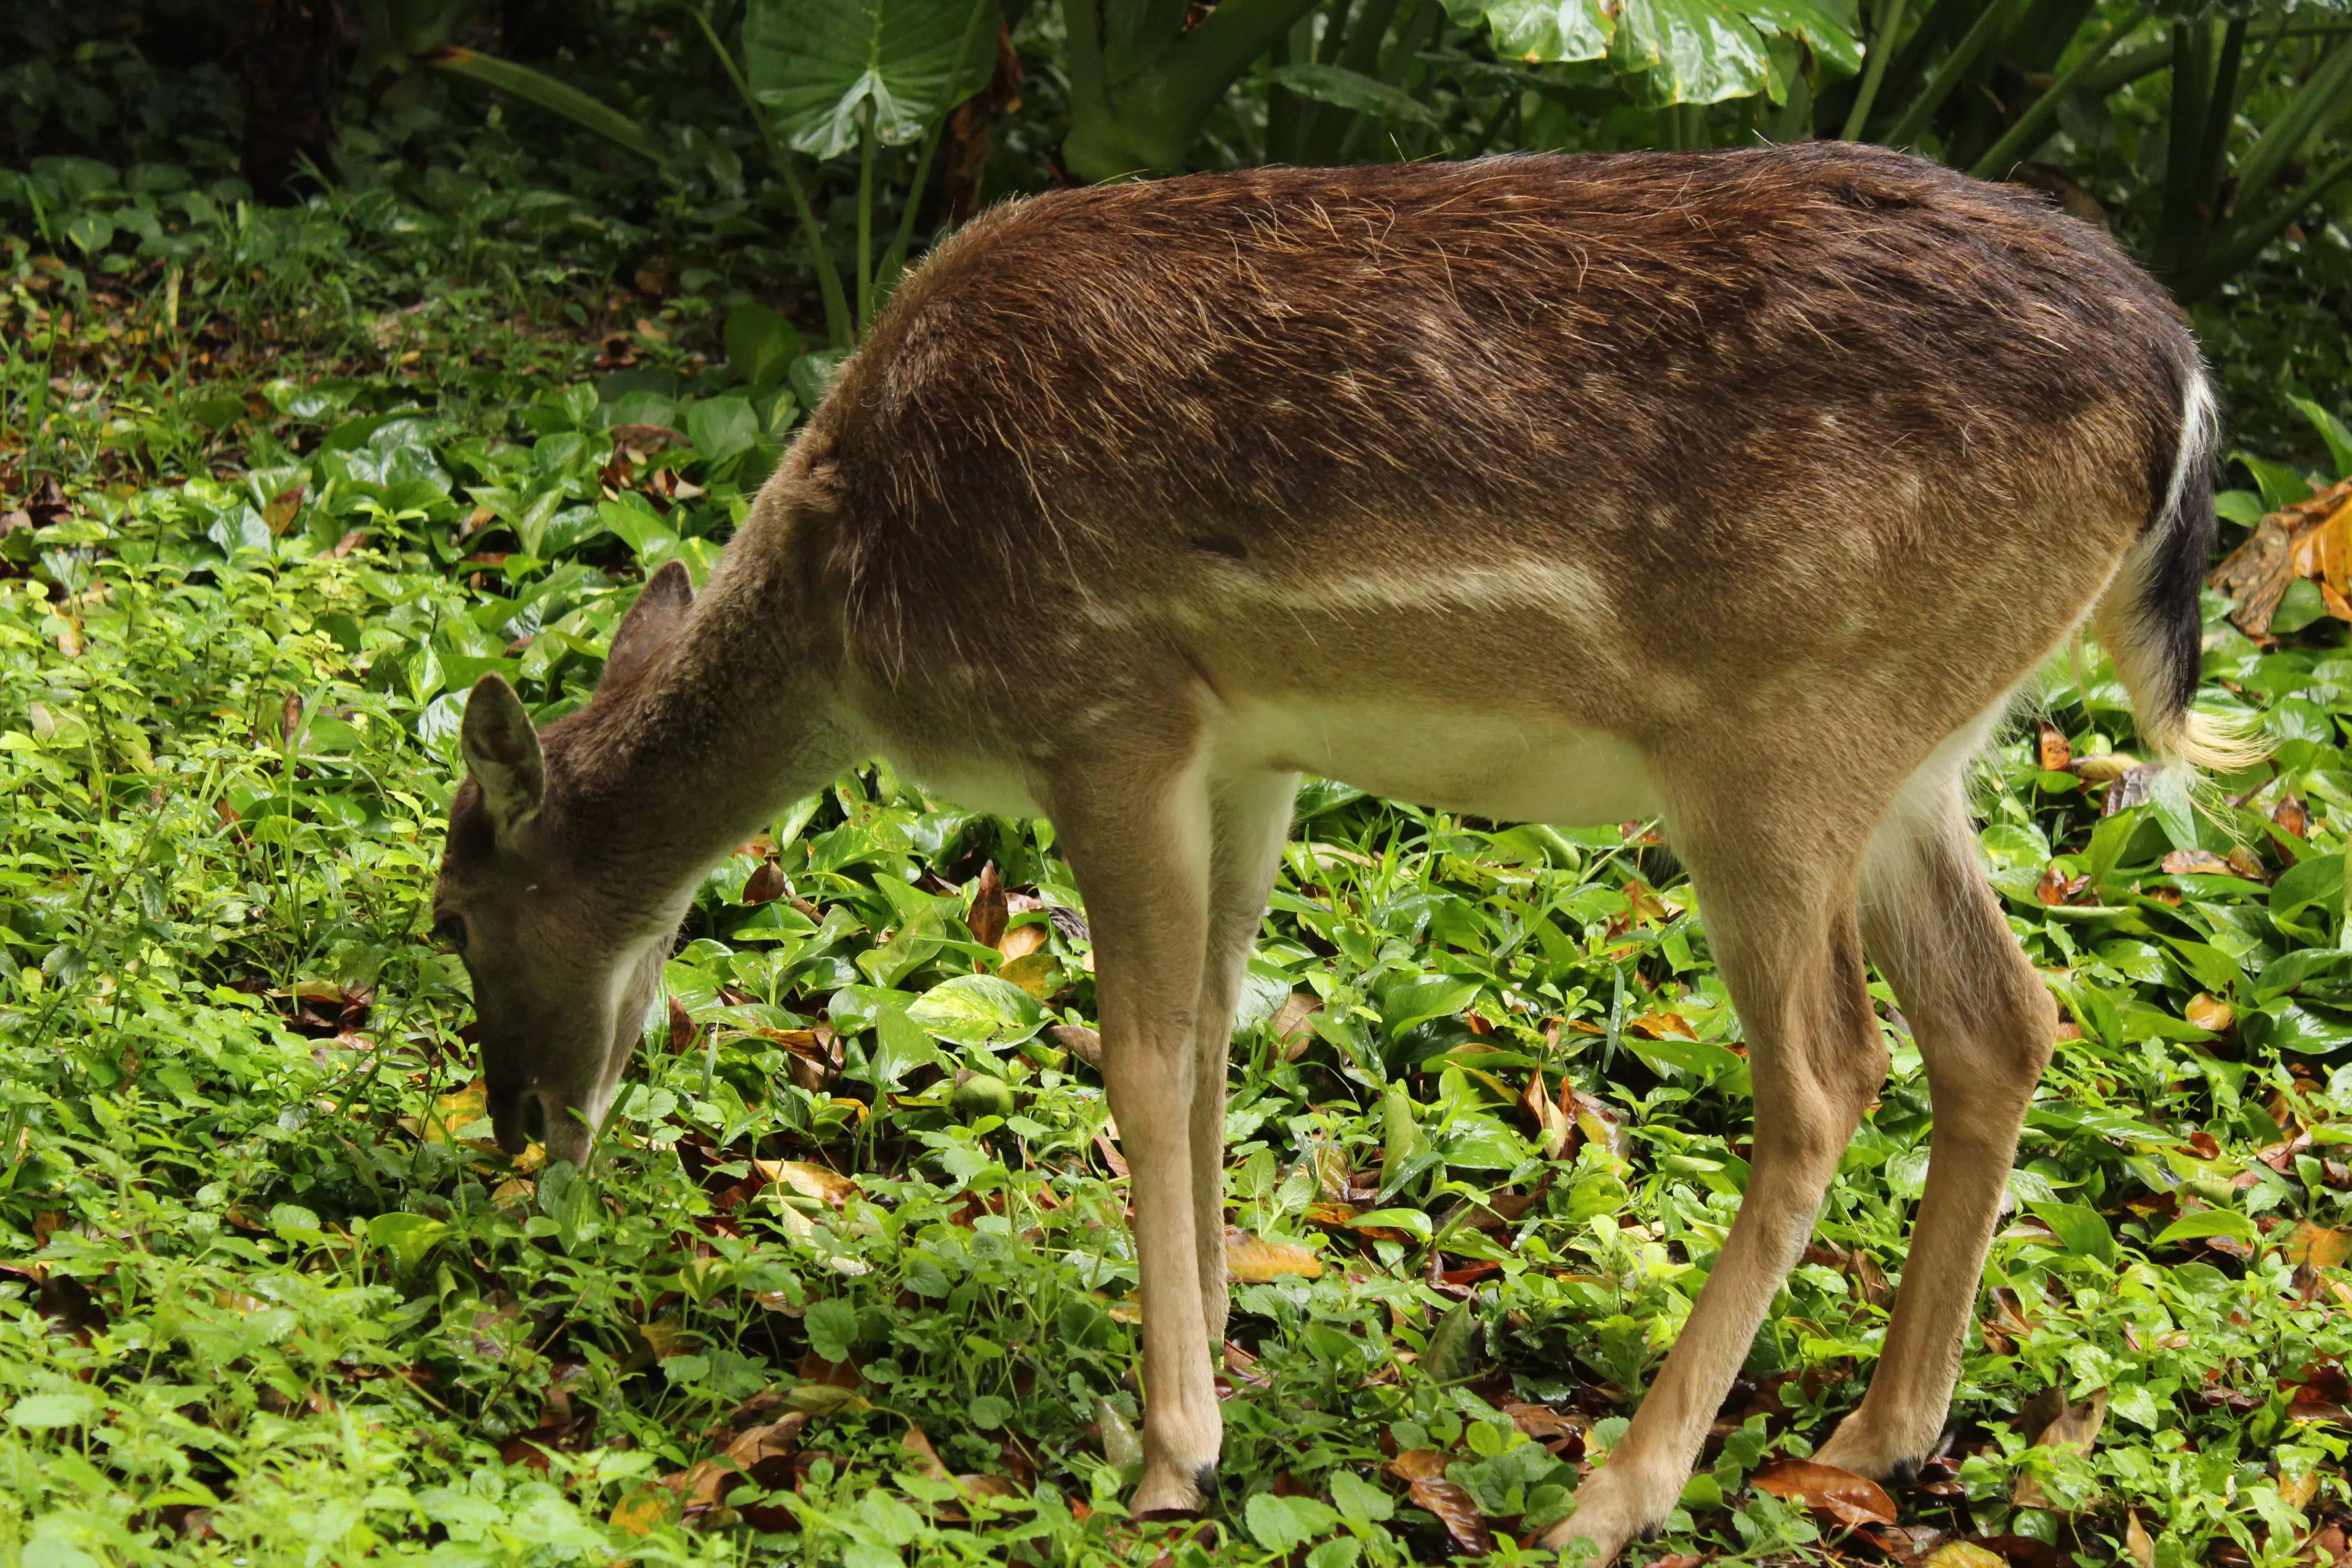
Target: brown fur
1746	485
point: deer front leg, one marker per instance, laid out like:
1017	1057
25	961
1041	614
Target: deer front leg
1139	845
1785	938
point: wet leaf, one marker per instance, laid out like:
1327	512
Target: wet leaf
978	1010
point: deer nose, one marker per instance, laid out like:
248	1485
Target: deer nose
519	1119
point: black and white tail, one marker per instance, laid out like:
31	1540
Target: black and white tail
2148	619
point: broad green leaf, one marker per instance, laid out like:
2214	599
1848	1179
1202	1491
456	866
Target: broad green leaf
2332	431
1352	89
407	1236
1695	51
761	344
825	66
40	1411
720	427
1825	27
1411	1221
2206	1223
899	1043
2285	974
2081	1230
1359	1500
1539	30
1419	998
832	1329
979	1010
2315	879
812	377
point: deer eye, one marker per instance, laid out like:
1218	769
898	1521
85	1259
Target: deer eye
449	932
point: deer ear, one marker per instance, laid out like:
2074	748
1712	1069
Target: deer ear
502	754
668	595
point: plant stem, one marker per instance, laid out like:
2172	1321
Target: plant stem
2035	124
2283	137
866	141
2249	239
893	260
1882	45
2191	60
838	324
1947	76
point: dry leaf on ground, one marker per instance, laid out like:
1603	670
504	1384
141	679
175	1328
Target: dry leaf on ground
1255	1261
2074	1429
1841	1495
1458	1512
2310	538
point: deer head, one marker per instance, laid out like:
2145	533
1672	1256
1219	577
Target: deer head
564	947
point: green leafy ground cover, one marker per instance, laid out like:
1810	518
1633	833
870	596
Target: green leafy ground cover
851	1283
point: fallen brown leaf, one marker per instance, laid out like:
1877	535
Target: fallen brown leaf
809	1181
766	884
986	916
2303	539
2209	1013
2317	1246
2197	862
2074	1429
1256	1260
1837	1494
2053	751
1458	1512
1019	942
685	1034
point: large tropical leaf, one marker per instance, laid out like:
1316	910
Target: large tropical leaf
821	65
1691	51
1539	30
1694	51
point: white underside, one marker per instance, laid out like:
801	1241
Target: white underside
1511	769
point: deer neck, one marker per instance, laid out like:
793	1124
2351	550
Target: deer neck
735	718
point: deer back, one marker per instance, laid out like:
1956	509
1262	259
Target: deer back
1621	444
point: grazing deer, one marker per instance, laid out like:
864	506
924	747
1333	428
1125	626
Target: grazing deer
1741	488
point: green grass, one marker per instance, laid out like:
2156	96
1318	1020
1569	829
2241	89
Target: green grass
273	1297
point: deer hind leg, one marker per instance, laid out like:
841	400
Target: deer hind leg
1775	885
1249	822
1984	1024
1139	837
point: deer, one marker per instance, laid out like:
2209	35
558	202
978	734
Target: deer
1743	490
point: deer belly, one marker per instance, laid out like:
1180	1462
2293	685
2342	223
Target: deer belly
1510	767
